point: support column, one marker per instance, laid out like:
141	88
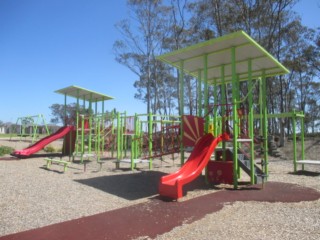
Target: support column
250	119
223	110
181	82
235	119
150	127
90	124
264	122
199	94
206	92
119	136
294	141
215	109
65	109
77	123
302	139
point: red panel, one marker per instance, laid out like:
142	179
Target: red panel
219	154
220	172
193	129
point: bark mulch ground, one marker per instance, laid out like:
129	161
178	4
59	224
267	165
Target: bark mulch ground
159	216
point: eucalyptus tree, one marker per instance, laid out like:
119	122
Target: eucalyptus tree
142	37
275	25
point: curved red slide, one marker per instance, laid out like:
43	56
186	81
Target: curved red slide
43	142
171	185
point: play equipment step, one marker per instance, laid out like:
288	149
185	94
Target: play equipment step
312	162
244	163
59	161
133	162
128	160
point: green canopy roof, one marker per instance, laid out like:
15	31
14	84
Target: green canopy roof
83	94
219	54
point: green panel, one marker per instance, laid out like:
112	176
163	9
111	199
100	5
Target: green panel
82	93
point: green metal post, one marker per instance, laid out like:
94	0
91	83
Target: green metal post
206	92
125	137
294	141
265	123
223	109
77	124
121	136
250	119
82	138
133	165
82	128
150	130
234	117
215	108
35	128
114	120
199	94
181	83
103	127
45	124
90	123
302	140
118	137
97	144
134	141
65	109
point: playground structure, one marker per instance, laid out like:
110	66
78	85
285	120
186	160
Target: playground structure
235	65
29	126
92	133
147	136
116	133
86	140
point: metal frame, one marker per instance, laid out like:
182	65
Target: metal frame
95	120
227	60
34	123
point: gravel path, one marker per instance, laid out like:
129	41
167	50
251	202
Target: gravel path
32	197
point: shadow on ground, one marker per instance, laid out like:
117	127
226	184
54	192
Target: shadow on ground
305	173
137	185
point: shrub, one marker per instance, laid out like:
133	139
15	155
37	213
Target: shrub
5	150
49	149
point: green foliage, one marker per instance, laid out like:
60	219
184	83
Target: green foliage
58	112
163	26
49	149
5	150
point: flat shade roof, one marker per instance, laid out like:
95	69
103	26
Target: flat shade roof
219	59
83	94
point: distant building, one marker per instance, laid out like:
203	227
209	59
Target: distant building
2	129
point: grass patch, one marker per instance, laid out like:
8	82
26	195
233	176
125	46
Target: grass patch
49	149
5	150
7	135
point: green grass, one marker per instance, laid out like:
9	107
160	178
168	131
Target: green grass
50	149
7	135
5	150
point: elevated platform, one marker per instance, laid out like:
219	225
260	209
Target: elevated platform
312	162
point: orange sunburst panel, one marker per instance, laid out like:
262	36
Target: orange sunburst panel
193	129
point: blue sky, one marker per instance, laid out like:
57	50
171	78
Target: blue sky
46	45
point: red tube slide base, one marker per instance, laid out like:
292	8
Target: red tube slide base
171	185
43	142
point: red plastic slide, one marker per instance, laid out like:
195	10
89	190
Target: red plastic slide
43	142
171	185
